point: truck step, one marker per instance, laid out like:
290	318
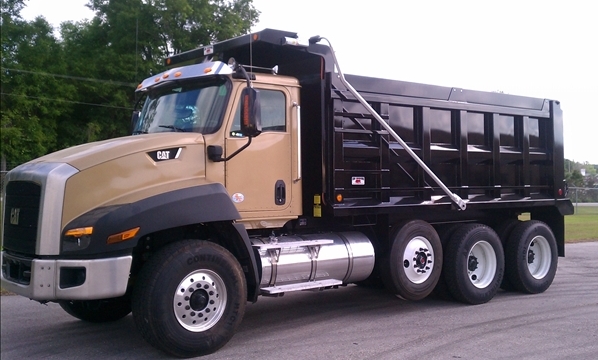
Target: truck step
292	244
301	286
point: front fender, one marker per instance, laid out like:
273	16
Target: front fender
198	204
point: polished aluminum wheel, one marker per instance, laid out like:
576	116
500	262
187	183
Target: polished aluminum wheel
200	300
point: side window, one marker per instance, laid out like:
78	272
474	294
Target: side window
273	111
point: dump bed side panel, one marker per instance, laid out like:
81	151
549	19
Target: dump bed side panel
491	149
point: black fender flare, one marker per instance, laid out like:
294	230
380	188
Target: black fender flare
187	206
253	273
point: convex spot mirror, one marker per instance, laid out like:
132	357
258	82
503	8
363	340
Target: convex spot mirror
134	119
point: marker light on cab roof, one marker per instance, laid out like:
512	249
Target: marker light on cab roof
187	72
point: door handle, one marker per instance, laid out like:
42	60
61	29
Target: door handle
280	193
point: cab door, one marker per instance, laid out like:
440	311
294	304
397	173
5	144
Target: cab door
260	178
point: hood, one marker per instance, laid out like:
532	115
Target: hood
88	155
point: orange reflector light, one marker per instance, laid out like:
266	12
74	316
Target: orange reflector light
207	70
157	79
139	86
339	198
165	76
125	235
255	37
168	61
177	74
79	232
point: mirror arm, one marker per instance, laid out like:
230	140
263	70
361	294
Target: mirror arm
245	74
236	152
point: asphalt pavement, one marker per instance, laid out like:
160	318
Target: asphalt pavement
351	323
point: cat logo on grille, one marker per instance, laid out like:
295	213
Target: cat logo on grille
14	216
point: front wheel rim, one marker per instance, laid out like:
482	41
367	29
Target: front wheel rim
418	259
481	264
200	300
539	257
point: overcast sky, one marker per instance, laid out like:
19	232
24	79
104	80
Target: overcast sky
545	49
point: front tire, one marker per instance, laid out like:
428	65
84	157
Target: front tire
98	311
190	298
474	264
413	267
531	257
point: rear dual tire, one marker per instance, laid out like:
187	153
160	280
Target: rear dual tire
531	257
504	230
474	264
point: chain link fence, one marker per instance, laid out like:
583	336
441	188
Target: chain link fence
583	196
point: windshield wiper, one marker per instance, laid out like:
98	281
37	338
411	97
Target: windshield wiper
139	132
172	127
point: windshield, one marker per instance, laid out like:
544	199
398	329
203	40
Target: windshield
187	107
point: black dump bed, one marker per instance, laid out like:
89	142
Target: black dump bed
498	152
488	148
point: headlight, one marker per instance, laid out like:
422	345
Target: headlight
76	239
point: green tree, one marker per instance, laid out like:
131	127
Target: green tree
576	179
127	41
79	88
31	99
167	27
105	85
590	169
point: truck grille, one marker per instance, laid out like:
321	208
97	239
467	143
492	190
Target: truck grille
21	216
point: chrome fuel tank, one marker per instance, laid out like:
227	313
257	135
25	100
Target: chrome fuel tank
345	257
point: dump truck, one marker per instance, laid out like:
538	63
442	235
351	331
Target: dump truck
255	167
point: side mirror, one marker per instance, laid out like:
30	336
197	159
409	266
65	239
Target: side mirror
134	119
251	121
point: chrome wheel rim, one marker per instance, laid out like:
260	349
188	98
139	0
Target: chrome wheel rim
200	300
